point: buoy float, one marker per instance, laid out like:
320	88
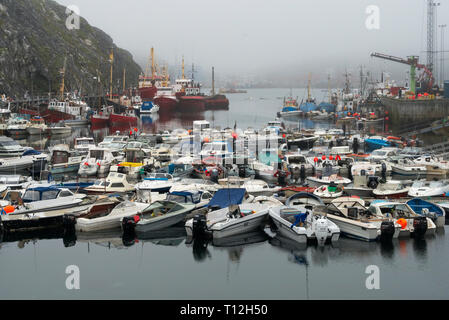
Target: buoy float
402	222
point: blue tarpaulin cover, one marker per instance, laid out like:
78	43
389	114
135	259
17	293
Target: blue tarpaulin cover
224	198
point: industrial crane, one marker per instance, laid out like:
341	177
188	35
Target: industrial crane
412	61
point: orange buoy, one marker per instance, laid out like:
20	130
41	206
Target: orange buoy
9	209
402	222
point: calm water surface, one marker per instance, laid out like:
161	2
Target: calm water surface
248	267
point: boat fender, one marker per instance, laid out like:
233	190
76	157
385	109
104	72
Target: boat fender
387	230
419	226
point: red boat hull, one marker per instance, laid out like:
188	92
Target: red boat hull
54	116
122	119
165	103
191	104
217	102
99	120
148	93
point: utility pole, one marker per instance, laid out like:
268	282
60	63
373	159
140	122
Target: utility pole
442	26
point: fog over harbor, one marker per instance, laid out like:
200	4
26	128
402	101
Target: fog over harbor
275	42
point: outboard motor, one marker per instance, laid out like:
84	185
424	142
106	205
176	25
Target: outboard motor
372	182
302	174
199	227
355	145
419	226
129	224
68	221
321	231
384	171
426	213
350	172
387	230
242	172
214	175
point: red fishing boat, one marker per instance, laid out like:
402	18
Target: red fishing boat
101	118
129	117
217	102
166	102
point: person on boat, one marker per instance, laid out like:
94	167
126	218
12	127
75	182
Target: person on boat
282	175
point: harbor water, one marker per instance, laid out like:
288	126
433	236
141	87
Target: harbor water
253	266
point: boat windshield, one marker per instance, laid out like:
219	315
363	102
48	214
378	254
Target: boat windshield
84	142
100	183
296	160
378	153
97	154
178	198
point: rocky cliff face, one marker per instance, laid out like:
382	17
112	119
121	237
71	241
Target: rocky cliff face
35	41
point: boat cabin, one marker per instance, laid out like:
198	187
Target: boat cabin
45	193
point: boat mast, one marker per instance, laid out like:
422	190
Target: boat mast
111	60
63	79
213	81
153	69
124	79
183	74
308	88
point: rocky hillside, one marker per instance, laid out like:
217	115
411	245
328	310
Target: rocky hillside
35	41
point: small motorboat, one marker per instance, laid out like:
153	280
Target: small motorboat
114	183
300	225
259	188
97	162
159	215
63	160
355	221
327	180
304	198
428	209
41	199
59	128
14	165
157	182
412	224
227	222
406	167
331	191
113	219
83	144
37	126
424	188
199	199
391	189
362	186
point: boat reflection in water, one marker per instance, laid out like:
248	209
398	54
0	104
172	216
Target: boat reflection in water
110	239
24	237
233	245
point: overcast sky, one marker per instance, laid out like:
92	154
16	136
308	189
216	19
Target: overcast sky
257	36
